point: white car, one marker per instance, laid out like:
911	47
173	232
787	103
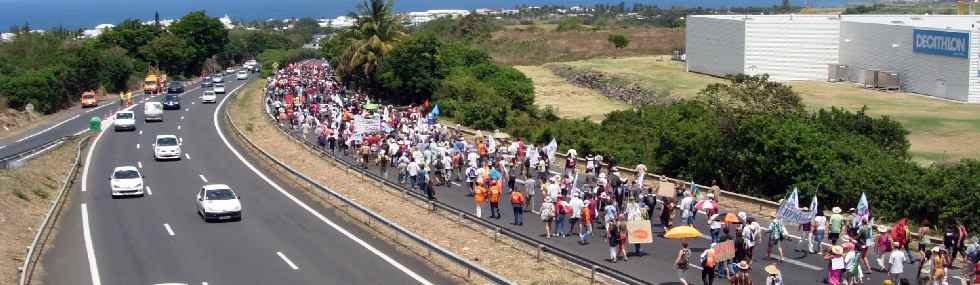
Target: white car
124	120
209	97
219	88
153	111
217	202
217	78
242	75
166	147
126	181
230	70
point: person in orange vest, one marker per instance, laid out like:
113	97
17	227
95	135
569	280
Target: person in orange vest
481	149
495	189
517	202
479	196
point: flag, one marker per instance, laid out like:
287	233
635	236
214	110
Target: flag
435	112
551	149
863	211
790	211
694	190
491	143
813	204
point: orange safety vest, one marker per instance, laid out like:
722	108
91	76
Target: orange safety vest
495	193
481	149
516	198
479	194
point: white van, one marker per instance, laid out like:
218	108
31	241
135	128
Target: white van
153	111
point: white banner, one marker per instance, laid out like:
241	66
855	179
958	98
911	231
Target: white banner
790	210
367	125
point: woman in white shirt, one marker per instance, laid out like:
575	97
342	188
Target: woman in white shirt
819	229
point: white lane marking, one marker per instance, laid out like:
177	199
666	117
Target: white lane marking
2	146
40	152
76	134
93	267
49	128
286	259
204	283
169	230
139	163
192	102
454	183
180	140
182	117
178	127
141	132
202	178
148	191
187	109
306	207
188	156
137	146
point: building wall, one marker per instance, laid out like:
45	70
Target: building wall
973	93
715	46
791	48
889	47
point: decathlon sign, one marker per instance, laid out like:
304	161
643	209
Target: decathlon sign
943	43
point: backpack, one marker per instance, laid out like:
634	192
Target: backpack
708	259
683	264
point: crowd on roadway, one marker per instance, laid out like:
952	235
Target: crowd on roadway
411	145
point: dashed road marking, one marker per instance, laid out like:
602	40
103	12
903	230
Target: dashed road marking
139	163
202	178
137	146
140	132
148	191
286	259
181	117
178	127
187	109
188	156
169	230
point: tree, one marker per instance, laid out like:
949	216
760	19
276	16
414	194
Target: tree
566	24
116	69
205	36
413	69
375	33
172	54
744	95
618	40
130	35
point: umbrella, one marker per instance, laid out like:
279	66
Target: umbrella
731	218
706	204
682	232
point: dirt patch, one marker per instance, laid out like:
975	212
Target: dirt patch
512	259
539	46
25	194
569	101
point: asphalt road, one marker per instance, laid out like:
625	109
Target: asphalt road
656	264
159	238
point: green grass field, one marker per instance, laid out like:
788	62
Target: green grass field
939	130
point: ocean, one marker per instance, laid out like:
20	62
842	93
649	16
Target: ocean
88	13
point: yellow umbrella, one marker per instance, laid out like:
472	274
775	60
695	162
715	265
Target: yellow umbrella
682	232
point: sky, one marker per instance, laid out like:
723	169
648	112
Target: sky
88	13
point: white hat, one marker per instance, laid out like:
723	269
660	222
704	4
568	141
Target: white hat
836	210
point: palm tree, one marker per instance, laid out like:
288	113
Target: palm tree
376	32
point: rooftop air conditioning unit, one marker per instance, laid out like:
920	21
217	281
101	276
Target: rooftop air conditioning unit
870	78
837	72
889	80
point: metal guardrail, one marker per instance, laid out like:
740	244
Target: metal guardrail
26	270
594	267
470	266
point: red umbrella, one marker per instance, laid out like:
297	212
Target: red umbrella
731	218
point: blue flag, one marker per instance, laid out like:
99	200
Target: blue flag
863	210
435	112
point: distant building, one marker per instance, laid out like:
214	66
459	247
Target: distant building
934	55
98	30
341	22
415	18
227	22
7	36
163	23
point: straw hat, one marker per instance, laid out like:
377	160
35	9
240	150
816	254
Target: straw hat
838	250
572	152
935	249
895	244
882	228
772	270
836	210
743	265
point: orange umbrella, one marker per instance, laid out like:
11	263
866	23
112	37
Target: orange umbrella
682	232
731	218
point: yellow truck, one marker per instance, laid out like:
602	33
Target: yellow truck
88	99
154	84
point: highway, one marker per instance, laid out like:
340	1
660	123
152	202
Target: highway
283	237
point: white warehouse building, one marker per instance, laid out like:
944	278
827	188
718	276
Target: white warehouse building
936	55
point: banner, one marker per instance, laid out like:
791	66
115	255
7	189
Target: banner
725	250
863	211
367	125
551	149
790	210
638	231
666	189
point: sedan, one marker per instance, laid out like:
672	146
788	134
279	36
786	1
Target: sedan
242	75
126	181
209	97
166	147
230	70
217	202
175	87
219	88
217	78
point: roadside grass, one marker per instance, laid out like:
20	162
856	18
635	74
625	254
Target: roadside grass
24	196
538	45
512	259
568	101
938	129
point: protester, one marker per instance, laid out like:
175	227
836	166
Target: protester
896	263
683	262
777	232
775	277
708	264
836	225
517	203
820	230
743	276
547	215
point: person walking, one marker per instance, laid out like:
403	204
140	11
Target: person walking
924	274
777	231
683	262
587	220
578	206
819	231
774	276
479	197
562	209
836	225
806	234
517	203
896	263
743	276
883	247
495	199
708	264
547	215
613	232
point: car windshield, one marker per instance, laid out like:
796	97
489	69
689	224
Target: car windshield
168	141
124	116
88	96
170	98
219	85
175	84
126	174
220	194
